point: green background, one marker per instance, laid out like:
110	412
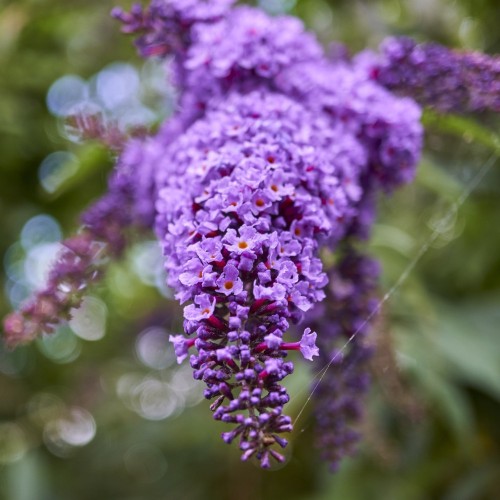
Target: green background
431	428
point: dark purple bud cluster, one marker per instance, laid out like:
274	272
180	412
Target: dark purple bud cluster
344	320
449	80
165	26
83	258
78	266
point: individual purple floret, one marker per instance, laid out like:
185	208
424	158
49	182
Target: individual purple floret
449	80
348	311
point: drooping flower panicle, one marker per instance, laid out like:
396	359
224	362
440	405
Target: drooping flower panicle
78	266
258	187
448	80
344	320
83	258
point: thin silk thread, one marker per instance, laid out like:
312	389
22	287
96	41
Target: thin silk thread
470	187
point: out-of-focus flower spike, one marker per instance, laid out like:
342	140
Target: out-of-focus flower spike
90	124
79	265
434	75
165	25
133	21
343	317
83	258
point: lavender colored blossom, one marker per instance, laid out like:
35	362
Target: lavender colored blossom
181	346
387	126
249	45
215	48
165	25
307	344
449	80
269	271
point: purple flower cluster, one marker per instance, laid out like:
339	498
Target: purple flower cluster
387	126
215	49
164	26
275	151
259	184
449	80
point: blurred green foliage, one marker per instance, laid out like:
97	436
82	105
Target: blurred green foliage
81	419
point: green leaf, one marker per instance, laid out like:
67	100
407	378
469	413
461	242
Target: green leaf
431	374
467	128
467	336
